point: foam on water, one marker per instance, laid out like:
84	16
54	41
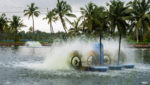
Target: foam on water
58	56
33	44
60	52
42	66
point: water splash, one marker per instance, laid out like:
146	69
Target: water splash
57	56
60	52
33	44
111	47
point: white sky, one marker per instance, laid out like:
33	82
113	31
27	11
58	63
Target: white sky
40	24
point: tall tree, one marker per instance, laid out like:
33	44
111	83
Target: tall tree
3	23
87	14
4	28
51	16
31	12
63	10
15	25
100	18
119	14
76	27
95	18
141	16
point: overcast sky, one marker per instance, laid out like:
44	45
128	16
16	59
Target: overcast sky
16	7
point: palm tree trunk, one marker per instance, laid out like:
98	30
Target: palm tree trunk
111	31
119	48
51	28
137	35
64	26
101	59
33	26
63	22
141	35
83	28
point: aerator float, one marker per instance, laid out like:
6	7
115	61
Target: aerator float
96	60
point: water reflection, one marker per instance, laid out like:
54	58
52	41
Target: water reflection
143	55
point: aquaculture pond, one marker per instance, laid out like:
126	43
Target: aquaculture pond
21	66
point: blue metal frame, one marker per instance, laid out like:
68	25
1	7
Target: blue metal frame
96	47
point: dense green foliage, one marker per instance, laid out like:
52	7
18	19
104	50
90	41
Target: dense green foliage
28	36
63	10
131	21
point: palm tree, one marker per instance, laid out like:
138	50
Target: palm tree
15	25
93	16
51	16
119	14
101	20
3	23
95	20
31	12
4	28
76	27
87	14
63	10
141	16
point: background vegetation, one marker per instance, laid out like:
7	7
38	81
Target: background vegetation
130	21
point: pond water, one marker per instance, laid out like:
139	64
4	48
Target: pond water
21	67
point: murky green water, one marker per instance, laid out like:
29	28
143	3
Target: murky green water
16	69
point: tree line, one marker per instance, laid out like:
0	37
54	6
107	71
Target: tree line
130	20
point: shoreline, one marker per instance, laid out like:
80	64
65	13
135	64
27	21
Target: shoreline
49	44
21	44
139	45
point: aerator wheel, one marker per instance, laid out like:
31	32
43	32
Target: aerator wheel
107	59
76	62
91	60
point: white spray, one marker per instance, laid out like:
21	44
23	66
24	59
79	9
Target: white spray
58	54
58	58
